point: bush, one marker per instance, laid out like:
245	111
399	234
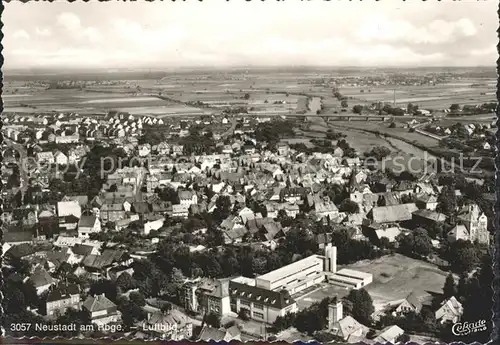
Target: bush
403	338
213	320
244	314
230	324
371	334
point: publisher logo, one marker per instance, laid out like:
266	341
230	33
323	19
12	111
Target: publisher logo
465	328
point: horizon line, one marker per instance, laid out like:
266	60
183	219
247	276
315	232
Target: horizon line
228	67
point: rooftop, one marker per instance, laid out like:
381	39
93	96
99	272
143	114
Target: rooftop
292	268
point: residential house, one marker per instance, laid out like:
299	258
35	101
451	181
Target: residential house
410	304
392	214
347	328
206	295
26	216
45	157
283	149
174	326
389	334
459	232
450	310
60	158
177	149
15	238
62	297
390	232
323	239
245	214
111	212
427	201
293	195
180	211
234	235
324	208
428	218
97	265
42	280
187	197
69	208
351	162
209	334
88	225
153	224
102	310
271	230
476	223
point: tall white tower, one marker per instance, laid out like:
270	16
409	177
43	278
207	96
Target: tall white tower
335	313
330	258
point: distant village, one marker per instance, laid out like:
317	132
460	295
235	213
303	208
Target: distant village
217	228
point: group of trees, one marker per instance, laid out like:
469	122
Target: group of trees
197	143
272	132
462	256
388	109
473	109
333	135
349	152
417	243
378	152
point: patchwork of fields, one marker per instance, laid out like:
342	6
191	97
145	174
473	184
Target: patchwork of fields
440	96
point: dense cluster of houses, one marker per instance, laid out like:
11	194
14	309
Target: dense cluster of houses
284	183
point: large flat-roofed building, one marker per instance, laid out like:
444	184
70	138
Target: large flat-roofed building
350	278
295	277
259	303
301	274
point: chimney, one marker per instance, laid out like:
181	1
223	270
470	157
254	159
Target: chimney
335	313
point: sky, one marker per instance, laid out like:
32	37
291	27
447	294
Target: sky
257	33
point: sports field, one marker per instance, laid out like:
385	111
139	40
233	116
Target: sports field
394	277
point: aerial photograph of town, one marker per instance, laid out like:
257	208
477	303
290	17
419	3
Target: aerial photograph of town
169	175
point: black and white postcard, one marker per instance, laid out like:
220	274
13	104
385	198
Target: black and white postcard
249	170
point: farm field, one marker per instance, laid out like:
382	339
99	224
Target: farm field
88	102
440	96
267	95
383	127
359	140
284	92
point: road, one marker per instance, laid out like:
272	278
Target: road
23	154
231	130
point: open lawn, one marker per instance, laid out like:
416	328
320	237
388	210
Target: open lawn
359	140
396	276
383	128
